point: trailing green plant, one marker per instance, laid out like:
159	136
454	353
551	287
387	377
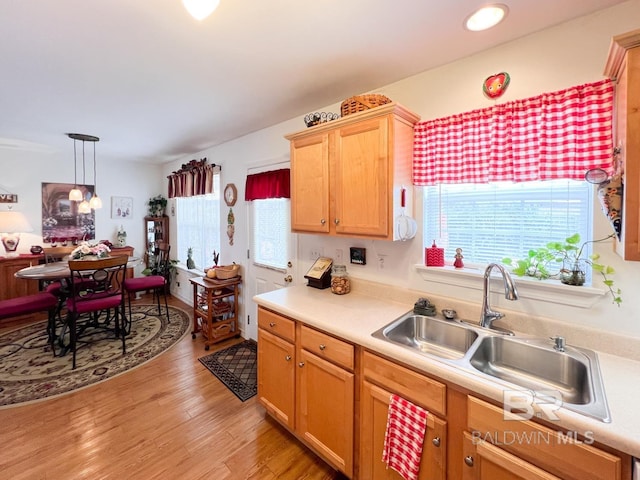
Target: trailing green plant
157	206
535	264
570	253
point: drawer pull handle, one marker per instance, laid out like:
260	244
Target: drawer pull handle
322	346
272	324
469	461
436	442
287	358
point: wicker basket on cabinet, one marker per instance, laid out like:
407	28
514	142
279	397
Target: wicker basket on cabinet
360	103
227	272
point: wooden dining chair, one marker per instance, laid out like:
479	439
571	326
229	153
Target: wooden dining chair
96	300
58	288
158	281
57	254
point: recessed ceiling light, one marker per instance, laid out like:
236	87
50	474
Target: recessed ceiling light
486	17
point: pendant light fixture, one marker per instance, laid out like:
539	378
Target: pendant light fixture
84	206
95	201
200	9
75	194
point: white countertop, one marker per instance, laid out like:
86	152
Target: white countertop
356	316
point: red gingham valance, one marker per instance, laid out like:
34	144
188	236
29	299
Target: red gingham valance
556	135
271	184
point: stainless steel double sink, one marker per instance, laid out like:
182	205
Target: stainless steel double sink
570	375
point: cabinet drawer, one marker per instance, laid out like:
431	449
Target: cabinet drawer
558	453
328	347
277	324
411	385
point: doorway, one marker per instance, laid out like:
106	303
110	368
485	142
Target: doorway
272	247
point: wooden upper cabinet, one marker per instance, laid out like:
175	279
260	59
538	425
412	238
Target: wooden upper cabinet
310	182
347	175
623	66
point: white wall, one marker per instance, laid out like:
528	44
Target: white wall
569	54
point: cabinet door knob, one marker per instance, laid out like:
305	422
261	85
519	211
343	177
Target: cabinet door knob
322	346
288	358
468	460
436	441
272	324
336	221
288	279
301	364
322	221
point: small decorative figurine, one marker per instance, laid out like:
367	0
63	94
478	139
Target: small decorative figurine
231	218
458	259
121	237
190	263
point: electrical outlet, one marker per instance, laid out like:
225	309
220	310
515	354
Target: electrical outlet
315	253
338	256
381	258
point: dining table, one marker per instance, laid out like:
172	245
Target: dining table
57	328
58	270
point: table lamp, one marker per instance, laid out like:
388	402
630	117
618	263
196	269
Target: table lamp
11	225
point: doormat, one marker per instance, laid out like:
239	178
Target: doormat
236	367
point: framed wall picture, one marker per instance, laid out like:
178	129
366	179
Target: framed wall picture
61	219
121	207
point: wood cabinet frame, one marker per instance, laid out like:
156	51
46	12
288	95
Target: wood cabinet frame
623	66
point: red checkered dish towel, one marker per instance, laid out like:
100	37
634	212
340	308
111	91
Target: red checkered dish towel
406	427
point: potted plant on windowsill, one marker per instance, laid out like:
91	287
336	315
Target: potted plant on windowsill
574	264
157	206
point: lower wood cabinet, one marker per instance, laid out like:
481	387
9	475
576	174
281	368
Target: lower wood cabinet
12	287
324	415
499	448
277	377
306	382
374	409
485	461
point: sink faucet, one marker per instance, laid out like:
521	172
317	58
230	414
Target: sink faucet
510	293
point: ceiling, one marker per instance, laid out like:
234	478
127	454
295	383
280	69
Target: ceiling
155	85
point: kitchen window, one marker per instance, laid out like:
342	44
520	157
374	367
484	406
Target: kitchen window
492	221
502	180
198	226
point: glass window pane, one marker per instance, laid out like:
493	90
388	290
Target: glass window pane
271	232
198	225
493	221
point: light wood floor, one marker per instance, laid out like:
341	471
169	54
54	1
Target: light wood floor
168	419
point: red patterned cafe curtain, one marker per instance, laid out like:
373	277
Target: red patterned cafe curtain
557	135
193	178
272	184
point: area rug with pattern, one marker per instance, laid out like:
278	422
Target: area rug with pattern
30	372
236	367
